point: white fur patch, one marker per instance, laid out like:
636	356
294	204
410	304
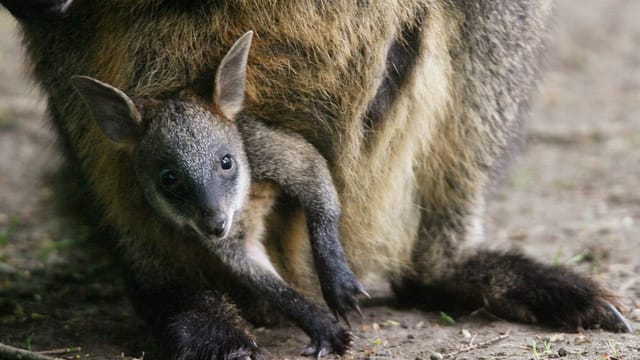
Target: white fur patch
257	253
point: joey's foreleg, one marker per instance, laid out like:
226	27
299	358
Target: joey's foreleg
327	335
193	323
40	10
290	161
339	285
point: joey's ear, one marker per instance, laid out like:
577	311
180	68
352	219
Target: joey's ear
112	109
231	77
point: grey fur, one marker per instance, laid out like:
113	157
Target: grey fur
413	103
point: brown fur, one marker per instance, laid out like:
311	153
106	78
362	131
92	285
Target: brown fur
284	86
412	189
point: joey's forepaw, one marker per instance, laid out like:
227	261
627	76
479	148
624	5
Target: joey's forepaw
330	339
233	347
195	336
341	294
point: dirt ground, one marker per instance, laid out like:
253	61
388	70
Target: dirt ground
572	197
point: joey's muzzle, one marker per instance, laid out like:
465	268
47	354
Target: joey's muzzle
214	223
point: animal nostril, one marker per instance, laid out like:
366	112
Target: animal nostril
214	223
219	228
219	224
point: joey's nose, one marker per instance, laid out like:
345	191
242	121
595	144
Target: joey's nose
214	223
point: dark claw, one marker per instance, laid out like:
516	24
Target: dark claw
241	354
308	351
323	352
341	293
245	354
616	321
337	315
329	339
346	320
313	350
351	338
363	291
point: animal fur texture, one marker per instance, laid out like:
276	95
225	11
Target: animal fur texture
195	159
412	102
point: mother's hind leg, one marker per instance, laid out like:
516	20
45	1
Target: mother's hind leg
508	284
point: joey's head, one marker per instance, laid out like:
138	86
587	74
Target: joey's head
192	167
187	153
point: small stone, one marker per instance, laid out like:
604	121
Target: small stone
556	338
635	314
436	356
581	340
375	326
410	336
562	352
465	333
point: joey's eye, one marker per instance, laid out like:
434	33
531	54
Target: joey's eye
226	163
168	178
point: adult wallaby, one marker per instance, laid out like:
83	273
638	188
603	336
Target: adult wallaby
414	104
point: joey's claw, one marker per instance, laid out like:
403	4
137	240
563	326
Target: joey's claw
311	350
245	354
239	355
363	291
308	351
322	353
346	320
341	293
329	340
337	315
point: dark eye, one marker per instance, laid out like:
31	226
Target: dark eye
168	178
226	163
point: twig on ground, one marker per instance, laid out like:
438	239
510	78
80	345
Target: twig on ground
481	344
13	353
62	351
483	312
